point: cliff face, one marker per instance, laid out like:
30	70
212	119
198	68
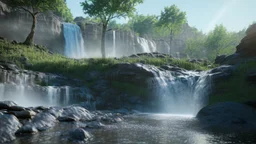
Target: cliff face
16	25
247	47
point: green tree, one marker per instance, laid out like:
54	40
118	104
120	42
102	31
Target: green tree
171	21
107	10
65	13
34	8
144	25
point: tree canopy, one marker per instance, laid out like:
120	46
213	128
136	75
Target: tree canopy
172	19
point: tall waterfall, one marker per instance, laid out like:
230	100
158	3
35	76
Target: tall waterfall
183	94
74	47
114	43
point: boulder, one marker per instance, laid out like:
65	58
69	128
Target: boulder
25	114
79	135
228	116
40	122
75	113
221	73
9	124
7	104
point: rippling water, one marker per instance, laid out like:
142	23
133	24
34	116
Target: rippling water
144	129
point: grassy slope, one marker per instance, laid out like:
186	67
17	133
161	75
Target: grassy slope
44	62
237	88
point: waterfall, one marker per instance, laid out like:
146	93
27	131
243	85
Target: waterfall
146	46
23	89
74	47
114	43
184	94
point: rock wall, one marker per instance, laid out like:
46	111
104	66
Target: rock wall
16	25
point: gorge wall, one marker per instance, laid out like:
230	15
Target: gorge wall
16	25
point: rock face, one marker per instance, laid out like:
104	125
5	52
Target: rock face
228	116
16	25
247	47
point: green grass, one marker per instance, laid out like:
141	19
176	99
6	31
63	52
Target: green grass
130	89
43	61
237	88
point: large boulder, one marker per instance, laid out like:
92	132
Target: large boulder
228	116
9	124
75	113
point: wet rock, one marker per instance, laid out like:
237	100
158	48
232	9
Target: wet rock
40	122
16	108
25	114
95	124
228	116
75	113
221	73
79	135
9	124
7	104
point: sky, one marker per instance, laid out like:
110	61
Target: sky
235	15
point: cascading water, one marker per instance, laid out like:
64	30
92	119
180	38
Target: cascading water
147	46
183	94
74	47
114	43
23	89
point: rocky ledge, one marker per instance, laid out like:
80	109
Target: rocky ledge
17	120
228	117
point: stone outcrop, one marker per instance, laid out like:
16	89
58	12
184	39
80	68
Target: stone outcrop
16	25
228	116
247	47
245	51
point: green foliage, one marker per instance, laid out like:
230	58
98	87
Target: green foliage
64	12
144	25
217	42
236	88
171	20
36	6
130	89
108	10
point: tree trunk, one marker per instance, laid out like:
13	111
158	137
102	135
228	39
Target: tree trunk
30	38
103	51
171	39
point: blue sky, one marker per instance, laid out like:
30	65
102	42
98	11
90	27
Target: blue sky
202	14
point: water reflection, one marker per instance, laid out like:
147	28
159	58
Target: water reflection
144	129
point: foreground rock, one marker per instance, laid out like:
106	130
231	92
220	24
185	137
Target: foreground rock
228	116
9	124
79	135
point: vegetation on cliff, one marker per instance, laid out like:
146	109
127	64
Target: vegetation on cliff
40	59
